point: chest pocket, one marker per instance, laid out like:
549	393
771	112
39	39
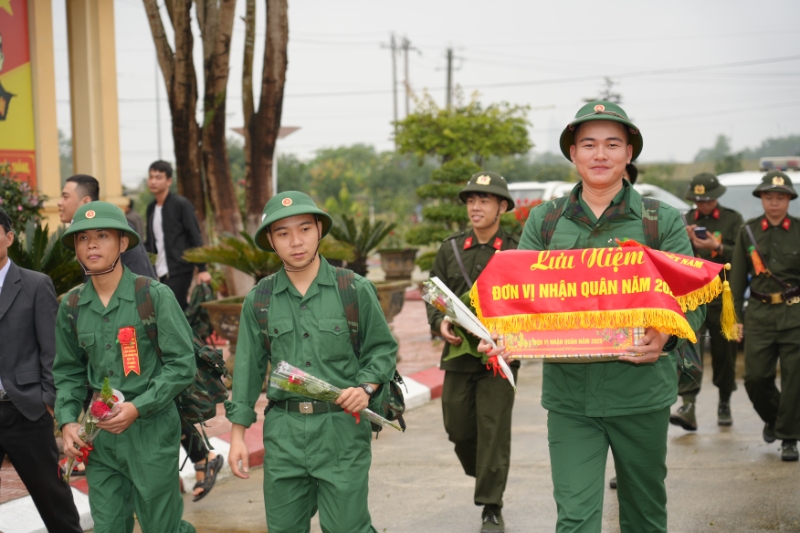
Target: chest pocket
281	335
86	342
563	240
335	338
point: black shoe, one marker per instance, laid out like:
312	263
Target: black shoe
789	450
492	520
724	417
769	433
613	483
684	417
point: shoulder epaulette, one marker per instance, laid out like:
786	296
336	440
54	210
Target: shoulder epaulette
454	235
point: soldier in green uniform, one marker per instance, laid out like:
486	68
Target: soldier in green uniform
134	463
316	456
714	241
476	405
622	404
768	250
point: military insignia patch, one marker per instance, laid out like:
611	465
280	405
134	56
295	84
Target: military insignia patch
599	108
90	214
286	202
699	189
483	180
777	180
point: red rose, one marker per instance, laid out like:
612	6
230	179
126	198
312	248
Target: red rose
296	379
125	335
100	409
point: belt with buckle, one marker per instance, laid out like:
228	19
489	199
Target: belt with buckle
789	297
4	397
307	408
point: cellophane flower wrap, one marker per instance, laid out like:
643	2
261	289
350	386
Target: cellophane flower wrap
104	404
457	311
289	378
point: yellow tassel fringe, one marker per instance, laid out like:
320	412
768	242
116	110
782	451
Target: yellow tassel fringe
701	296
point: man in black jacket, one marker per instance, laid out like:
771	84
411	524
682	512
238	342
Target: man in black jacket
172	228
27	391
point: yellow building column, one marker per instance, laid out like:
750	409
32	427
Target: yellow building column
40	26
93	92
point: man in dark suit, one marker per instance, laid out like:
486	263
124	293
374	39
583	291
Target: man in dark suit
27	393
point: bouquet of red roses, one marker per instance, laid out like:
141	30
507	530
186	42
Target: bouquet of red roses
104	404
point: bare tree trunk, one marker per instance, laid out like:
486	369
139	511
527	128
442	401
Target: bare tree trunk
216	23
264	125
251	225
181	85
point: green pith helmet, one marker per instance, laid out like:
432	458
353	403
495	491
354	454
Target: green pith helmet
704	187
288	204
99	215
775	181
601	110
488	182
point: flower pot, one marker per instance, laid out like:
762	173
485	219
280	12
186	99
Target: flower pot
398	264
392	296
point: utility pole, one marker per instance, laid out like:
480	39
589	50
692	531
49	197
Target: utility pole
393	47
406	46
158	111
449	97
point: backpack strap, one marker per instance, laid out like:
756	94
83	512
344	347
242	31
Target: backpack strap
650	222
261	307
147	312
346	283
554	210
73	298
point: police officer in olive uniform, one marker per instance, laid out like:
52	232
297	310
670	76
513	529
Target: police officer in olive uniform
768	250
713	230
476	405
316	455
134	463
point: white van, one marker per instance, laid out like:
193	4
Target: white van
739	195
531	193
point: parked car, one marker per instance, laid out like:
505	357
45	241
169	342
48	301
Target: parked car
739	195
531	193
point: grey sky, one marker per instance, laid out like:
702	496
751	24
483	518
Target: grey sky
669	59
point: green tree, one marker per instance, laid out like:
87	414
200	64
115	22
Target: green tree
469	130
721	148
729	163
64	156
607	93
772	147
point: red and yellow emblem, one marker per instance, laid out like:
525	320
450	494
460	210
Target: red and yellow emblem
483	180
130	350
699	189
599	108
90	214
777	181
286	202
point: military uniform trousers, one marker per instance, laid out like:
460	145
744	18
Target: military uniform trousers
477	417
763	349
136	471
316	461
578	451
723	358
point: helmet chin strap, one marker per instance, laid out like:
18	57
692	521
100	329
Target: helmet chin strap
110	269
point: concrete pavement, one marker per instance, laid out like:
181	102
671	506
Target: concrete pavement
720	479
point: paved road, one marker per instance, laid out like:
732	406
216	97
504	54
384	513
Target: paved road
720	479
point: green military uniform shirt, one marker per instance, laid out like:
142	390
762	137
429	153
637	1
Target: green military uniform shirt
311	333
95	352
609	388
724	224
780	249
475	256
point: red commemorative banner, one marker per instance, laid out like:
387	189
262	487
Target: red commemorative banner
614	289
130	350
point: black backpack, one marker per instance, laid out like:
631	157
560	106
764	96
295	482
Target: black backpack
390	405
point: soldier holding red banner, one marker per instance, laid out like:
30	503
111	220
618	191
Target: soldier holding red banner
621	404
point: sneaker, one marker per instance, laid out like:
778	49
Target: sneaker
769	433
613	483
724	417
492	520
684	417
789	450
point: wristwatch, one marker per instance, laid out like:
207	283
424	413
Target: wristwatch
369	389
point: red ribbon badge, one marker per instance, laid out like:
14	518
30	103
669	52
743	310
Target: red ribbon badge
130	350
468	243
498	244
